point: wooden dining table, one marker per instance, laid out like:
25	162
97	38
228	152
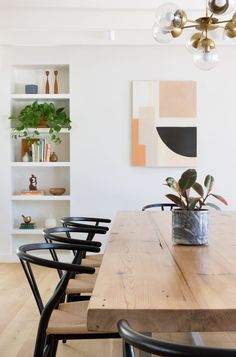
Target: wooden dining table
162	287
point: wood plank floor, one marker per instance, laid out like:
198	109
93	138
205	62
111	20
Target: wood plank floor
19	319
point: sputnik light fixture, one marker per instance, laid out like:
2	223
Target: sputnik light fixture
171	22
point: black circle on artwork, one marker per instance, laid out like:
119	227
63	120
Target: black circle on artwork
181	140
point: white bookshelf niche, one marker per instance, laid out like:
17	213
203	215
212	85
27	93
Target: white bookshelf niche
49	174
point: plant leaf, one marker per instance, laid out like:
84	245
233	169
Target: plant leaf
208	183
220	198
198	188
187	179
213	206
193	201
177	200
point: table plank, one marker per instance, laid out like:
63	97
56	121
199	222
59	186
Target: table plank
159	286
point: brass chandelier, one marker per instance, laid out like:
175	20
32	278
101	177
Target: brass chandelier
171	22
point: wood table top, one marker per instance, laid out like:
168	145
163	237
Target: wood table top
161	287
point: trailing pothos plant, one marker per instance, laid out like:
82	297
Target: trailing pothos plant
32	116
188	183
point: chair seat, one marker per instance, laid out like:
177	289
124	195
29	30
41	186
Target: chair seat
70	318
83	283
93	260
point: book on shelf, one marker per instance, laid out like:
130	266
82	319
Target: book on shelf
38	150
28	192
30	225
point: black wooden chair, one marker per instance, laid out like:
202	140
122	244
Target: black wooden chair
58	320
163	206
92	260
132	338
79	283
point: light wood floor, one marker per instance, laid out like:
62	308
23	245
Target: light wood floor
19	319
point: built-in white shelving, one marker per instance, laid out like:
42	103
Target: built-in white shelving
40	96
40	164
30	232
49	174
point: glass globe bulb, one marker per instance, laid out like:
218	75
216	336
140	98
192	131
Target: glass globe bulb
163	22
206	60
161	34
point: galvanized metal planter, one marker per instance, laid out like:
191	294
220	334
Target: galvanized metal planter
190	227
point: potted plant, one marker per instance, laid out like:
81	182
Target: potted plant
38	115
190	223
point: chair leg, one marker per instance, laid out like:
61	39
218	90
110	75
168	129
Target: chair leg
128	350
54	348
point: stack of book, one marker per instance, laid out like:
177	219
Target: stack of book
30	225
36	192
39	150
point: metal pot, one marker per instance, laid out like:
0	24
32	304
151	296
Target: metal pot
190	227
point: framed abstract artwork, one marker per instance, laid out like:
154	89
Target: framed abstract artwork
164	123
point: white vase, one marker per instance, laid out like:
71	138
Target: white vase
50	222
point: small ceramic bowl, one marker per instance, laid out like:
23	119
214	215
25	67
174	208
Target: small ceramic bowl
31	89
57	191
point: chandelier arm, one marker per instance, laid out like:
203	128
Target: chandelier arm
189	26
223	21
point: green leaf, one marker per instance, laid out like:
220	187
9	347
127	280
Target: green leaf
192	202
198	188
208	183
187	179
220	198
213	206
171	182
177	200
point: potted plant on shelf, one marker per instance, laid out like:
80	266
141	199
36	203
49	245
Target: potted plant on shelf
190	222
37	115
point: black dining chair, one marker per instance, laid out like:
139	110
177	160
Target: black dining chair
79	283
59	320
163	206
77	221
133	339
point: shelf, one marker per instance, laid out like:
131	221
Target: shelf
40	96
40	164
17	231
46	130
40	198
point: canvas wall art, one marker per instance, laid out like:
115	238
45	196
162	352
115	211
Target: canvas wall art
164	123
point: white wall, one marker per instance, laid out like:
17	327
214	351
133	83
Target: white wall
102	178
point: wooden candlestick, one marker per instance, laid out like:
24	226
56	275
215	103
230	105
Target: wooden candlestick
47	90
55	83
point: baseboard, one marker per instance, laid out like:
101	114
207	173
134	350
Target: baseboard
8	258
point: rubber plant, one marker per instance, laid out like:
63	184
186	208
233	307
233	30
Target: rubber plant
188	183
33	115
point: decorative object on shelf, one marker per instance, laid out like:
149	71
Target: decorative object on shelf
50	222
190	223
53	157
164	116
31	89
34	193
47	88
55	83
31	225
33	183
26	219
171	21
36	150
25	157
57	191
27	224
31	117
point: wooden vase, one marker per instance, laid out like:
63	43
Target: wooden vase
47	88
55	83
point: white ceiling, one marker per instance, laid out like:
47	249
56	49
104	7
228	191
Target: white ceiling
83	22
